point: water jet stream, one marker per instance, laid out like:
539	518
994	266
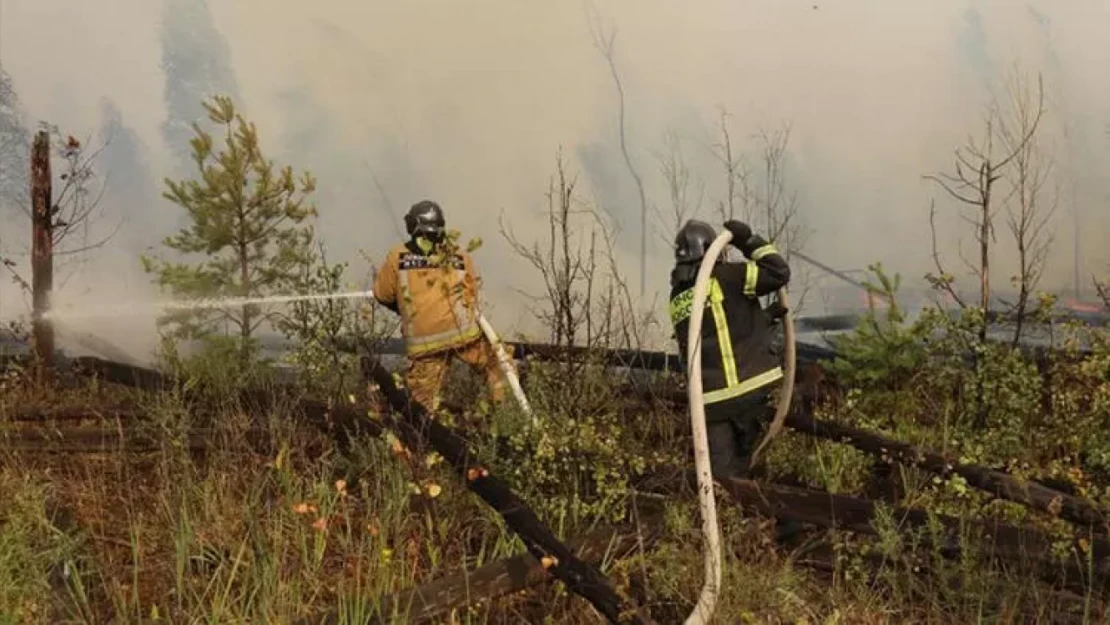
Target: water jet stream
140	309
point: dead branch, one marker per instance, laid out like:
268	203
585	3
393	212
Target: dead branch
387	204
735	172
605	44
567	264
780	207
675	171
942	279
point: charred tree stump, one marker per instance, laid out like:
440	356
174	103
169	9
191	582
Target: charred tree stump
997	483
42	252
415	427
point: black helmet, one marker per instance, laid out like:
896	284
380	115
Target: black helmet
693	241
425	218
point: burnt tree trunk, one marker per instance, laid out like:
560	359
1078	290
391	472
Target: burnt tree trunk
1074	509
42	252
415	427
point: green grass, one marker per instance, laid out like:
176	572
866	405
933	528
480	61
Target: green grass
237	537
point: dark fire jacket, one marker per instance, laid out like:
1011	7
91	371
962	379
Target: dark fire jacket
736	353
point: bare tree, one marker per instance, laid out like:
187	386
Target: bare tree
586	303
567	263
764	200
1005	150
1103	290
737	181
778	203
685	202
387	204
1028	211
605	42
75	205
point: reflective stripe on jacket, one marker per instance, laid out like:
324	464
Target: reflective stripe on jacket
437	302
736	353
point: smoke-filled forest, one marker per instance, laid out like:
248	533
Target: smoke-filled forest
206	414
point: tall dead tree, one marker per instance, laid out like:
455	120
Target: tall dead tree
1004	151
736	173
1007	153
605	42
1030	209
42	250
64	211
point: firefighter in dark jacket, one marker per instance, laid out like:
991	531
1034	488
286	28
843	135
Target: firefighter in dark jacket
739	367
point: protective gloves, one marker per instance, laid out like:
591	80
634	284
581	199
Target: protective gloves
741	232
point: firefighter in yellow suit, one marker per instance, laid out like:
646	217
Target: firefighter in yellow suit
434	289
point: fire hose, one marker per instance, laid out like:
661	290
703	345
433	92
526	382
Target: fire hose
506	366
711	589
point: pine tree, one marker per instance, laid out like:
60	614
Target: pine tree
129	187
249	231
15	150
196	61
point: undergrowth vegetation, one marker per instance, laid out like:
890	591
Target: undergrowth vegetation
292	526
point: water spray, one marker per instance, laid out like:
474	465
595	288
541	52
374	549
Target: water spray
138	309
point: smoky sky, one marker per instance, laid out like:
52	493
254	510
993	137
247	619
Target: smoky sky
388	103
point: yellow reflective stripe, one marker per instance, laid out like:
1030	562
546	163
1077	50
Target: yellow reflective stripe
716	294
745	387
724	342
424	344
682	304
751	279
760	252
405	302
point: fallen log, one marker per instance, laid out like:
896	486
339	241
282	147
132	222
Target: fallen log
72	413
341	420
1024	549
1060	607
997	483
415	427
110	440
1022	546
123	374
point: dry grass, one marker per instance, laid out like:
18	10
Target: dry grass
234	536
